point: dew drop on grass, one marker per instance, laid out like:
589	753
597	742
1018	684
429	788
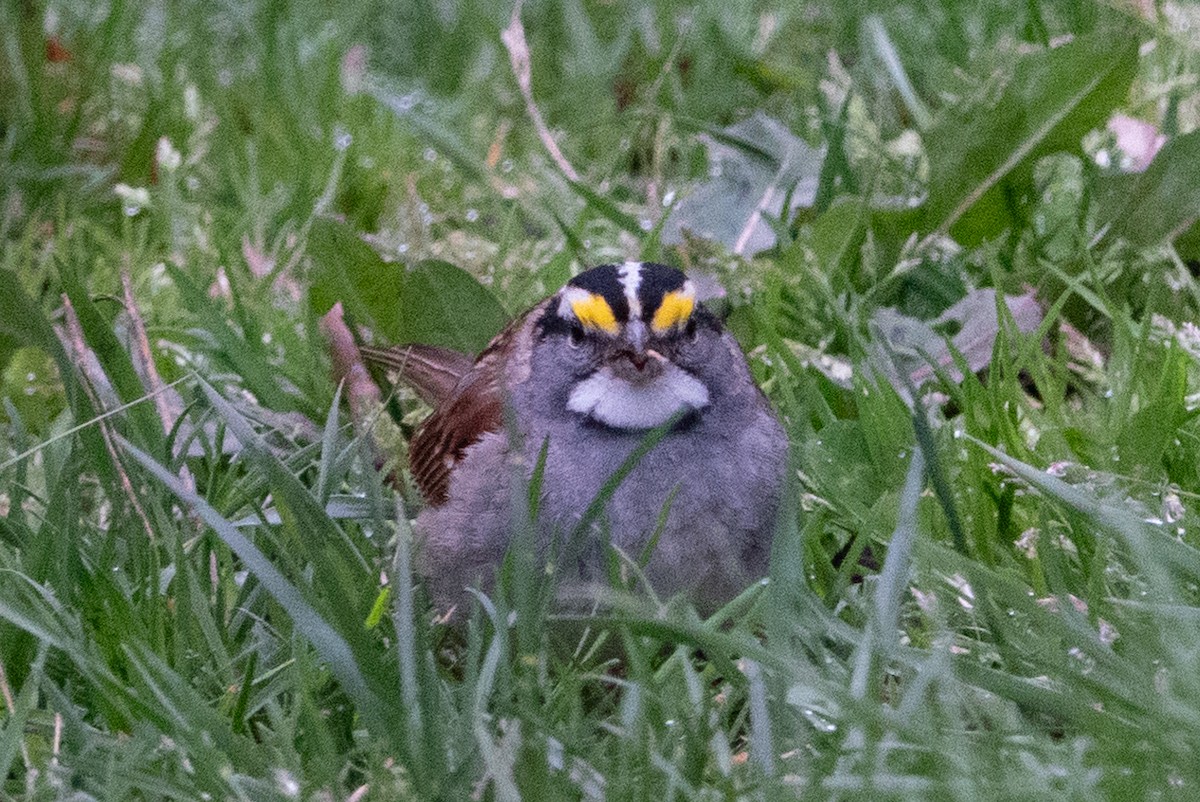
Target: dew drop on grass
430	155
506	166
472	215
342	139
669	198
817	721
646	223
131	210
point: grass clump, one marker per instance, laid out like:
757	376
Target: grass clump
969	295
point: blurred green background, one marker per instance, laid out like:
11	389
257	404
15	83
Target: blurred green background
957	240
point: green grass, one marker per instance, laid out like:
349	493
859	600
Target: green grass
206	592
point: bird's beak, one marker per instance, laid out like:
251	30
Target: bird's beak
635	363
637	335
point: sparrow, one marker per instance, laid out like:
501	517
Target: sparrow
569	391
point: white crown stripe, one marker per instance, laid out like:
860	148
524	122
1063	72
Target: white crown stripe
631	280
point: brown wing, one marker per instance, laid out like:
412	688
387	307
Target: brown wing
432	371
474	408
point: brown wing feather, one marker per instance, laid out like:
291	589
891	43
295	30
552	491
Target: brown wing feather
474	408
432	371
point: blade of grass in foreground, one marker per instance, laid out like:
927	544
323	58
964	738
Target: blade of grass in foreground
882	630
1155	553
329	644
10	736
325	540
404	617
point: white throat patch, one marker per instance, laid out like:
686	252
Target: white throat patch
615	402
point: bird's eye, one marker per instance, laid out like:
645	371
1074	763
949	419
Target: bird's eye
576	336
691	332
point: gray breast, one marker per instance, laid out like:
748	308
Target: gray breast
722	478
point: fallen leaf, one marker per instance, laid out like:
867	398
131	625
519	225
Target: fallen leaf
754	165
918	347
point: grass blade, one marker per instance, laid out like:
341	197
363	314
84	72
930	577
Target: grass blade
332	648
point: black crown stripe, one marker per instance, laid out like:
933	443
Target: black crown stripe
657	281
605	281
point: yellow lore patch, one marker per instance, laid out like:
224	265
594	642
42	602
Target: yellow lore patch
675	309
594	312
